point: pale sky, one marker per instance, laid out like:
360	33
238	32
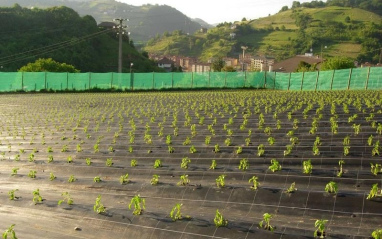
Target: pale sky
217	11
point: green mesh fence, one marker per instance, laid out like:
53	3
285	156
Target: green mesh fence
121	81
182	80
200	80
255	79
101	80
375	78
282	81
324	80
341	79
270	80
10	81
56	81
163	80
353	79
359	78
310	81
295	81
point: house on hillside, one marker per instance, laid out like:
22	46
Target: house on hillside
166	64
201	67
291	64
261	63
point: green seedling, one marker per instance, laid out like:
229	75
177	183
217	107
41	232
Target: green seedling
374	192
207	140
97	179
260	150
88	161
377	234
346	150
183	180
66	197
219	220
12	194
331	187
69	159
239	150
10	232
124	178
98	206
71	179
375	168
316	150
192	149
375	150
288	150
275	165
187	141
340	171
32	174
96	148
155	179
265	223
50	158
49	150
64	148
346	141
213	164
370	140
111	149
157	163
320	225
31	157
14	171
138	203
255	182
247	141
216	148
109	162
292	188
133	163
185	162
168	140
171	149
175	213
130	149
52	177
220	181
307	166
228	142
78	148
244	164
271	141
36	196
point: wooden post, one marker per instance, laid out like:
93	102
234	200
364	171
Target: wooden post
302	80
318	75
290	75
45	81
350	72
367	80
67	80
331	84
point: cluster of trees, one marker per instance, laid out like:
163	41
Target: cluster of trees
61	34
370	5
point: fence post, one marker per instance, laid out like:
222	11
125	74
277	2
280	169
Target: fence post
274	80
245	79
367	80
350	72
192	80
209	79
331	84
153	81
172	80
132	80
290	75
302	80
67	80
111	82
45	80
318	75
90	77
225	80
22	80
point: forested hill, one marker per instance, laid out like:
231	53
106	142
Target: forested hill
60	33
144	21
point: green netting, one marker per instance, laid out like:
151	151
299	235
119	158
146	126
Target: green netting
10	81
34	81
295	81
121	81
324	80
375	78
201	80
56	81
143	81
358	78
270	80
235	79
182	80
163	80
282	81
310	80
341	79
218	79
100	80
255	79
78	81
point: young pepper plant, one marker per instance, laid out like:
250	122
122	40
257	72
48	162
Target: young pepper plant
98	206
331	187
320	225
219	220
138	203
256	184
10	232
265	223
175	213
66	197
220	181
374	192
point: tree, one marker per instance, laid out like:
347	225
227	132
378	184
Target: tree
218	64
228	69
337	63
48	65
284	8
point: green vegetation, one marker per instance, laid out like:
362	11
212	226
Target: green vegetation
139	204
219	220
265	223
10	232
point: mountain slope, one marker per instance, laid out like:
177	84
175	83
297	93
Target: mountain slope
145	21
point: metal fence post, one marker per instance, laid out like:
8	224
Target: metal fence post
192	79
67	80
172	80
45	80
331	84
111	81
350	72
302	80
225	80
318	75
367	80
153	80
245	79
90	76
22	80
290	75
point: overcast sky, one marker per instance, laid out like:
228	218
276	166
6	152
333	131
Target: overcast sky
217	11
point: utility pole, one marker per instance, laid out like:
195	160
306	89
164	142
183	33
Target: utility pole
244	48
120	27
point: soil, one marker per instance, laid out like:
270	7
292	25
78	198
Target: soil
34	122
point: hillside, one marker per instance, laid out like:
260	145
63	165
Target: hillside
343	30
60	33
145	21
